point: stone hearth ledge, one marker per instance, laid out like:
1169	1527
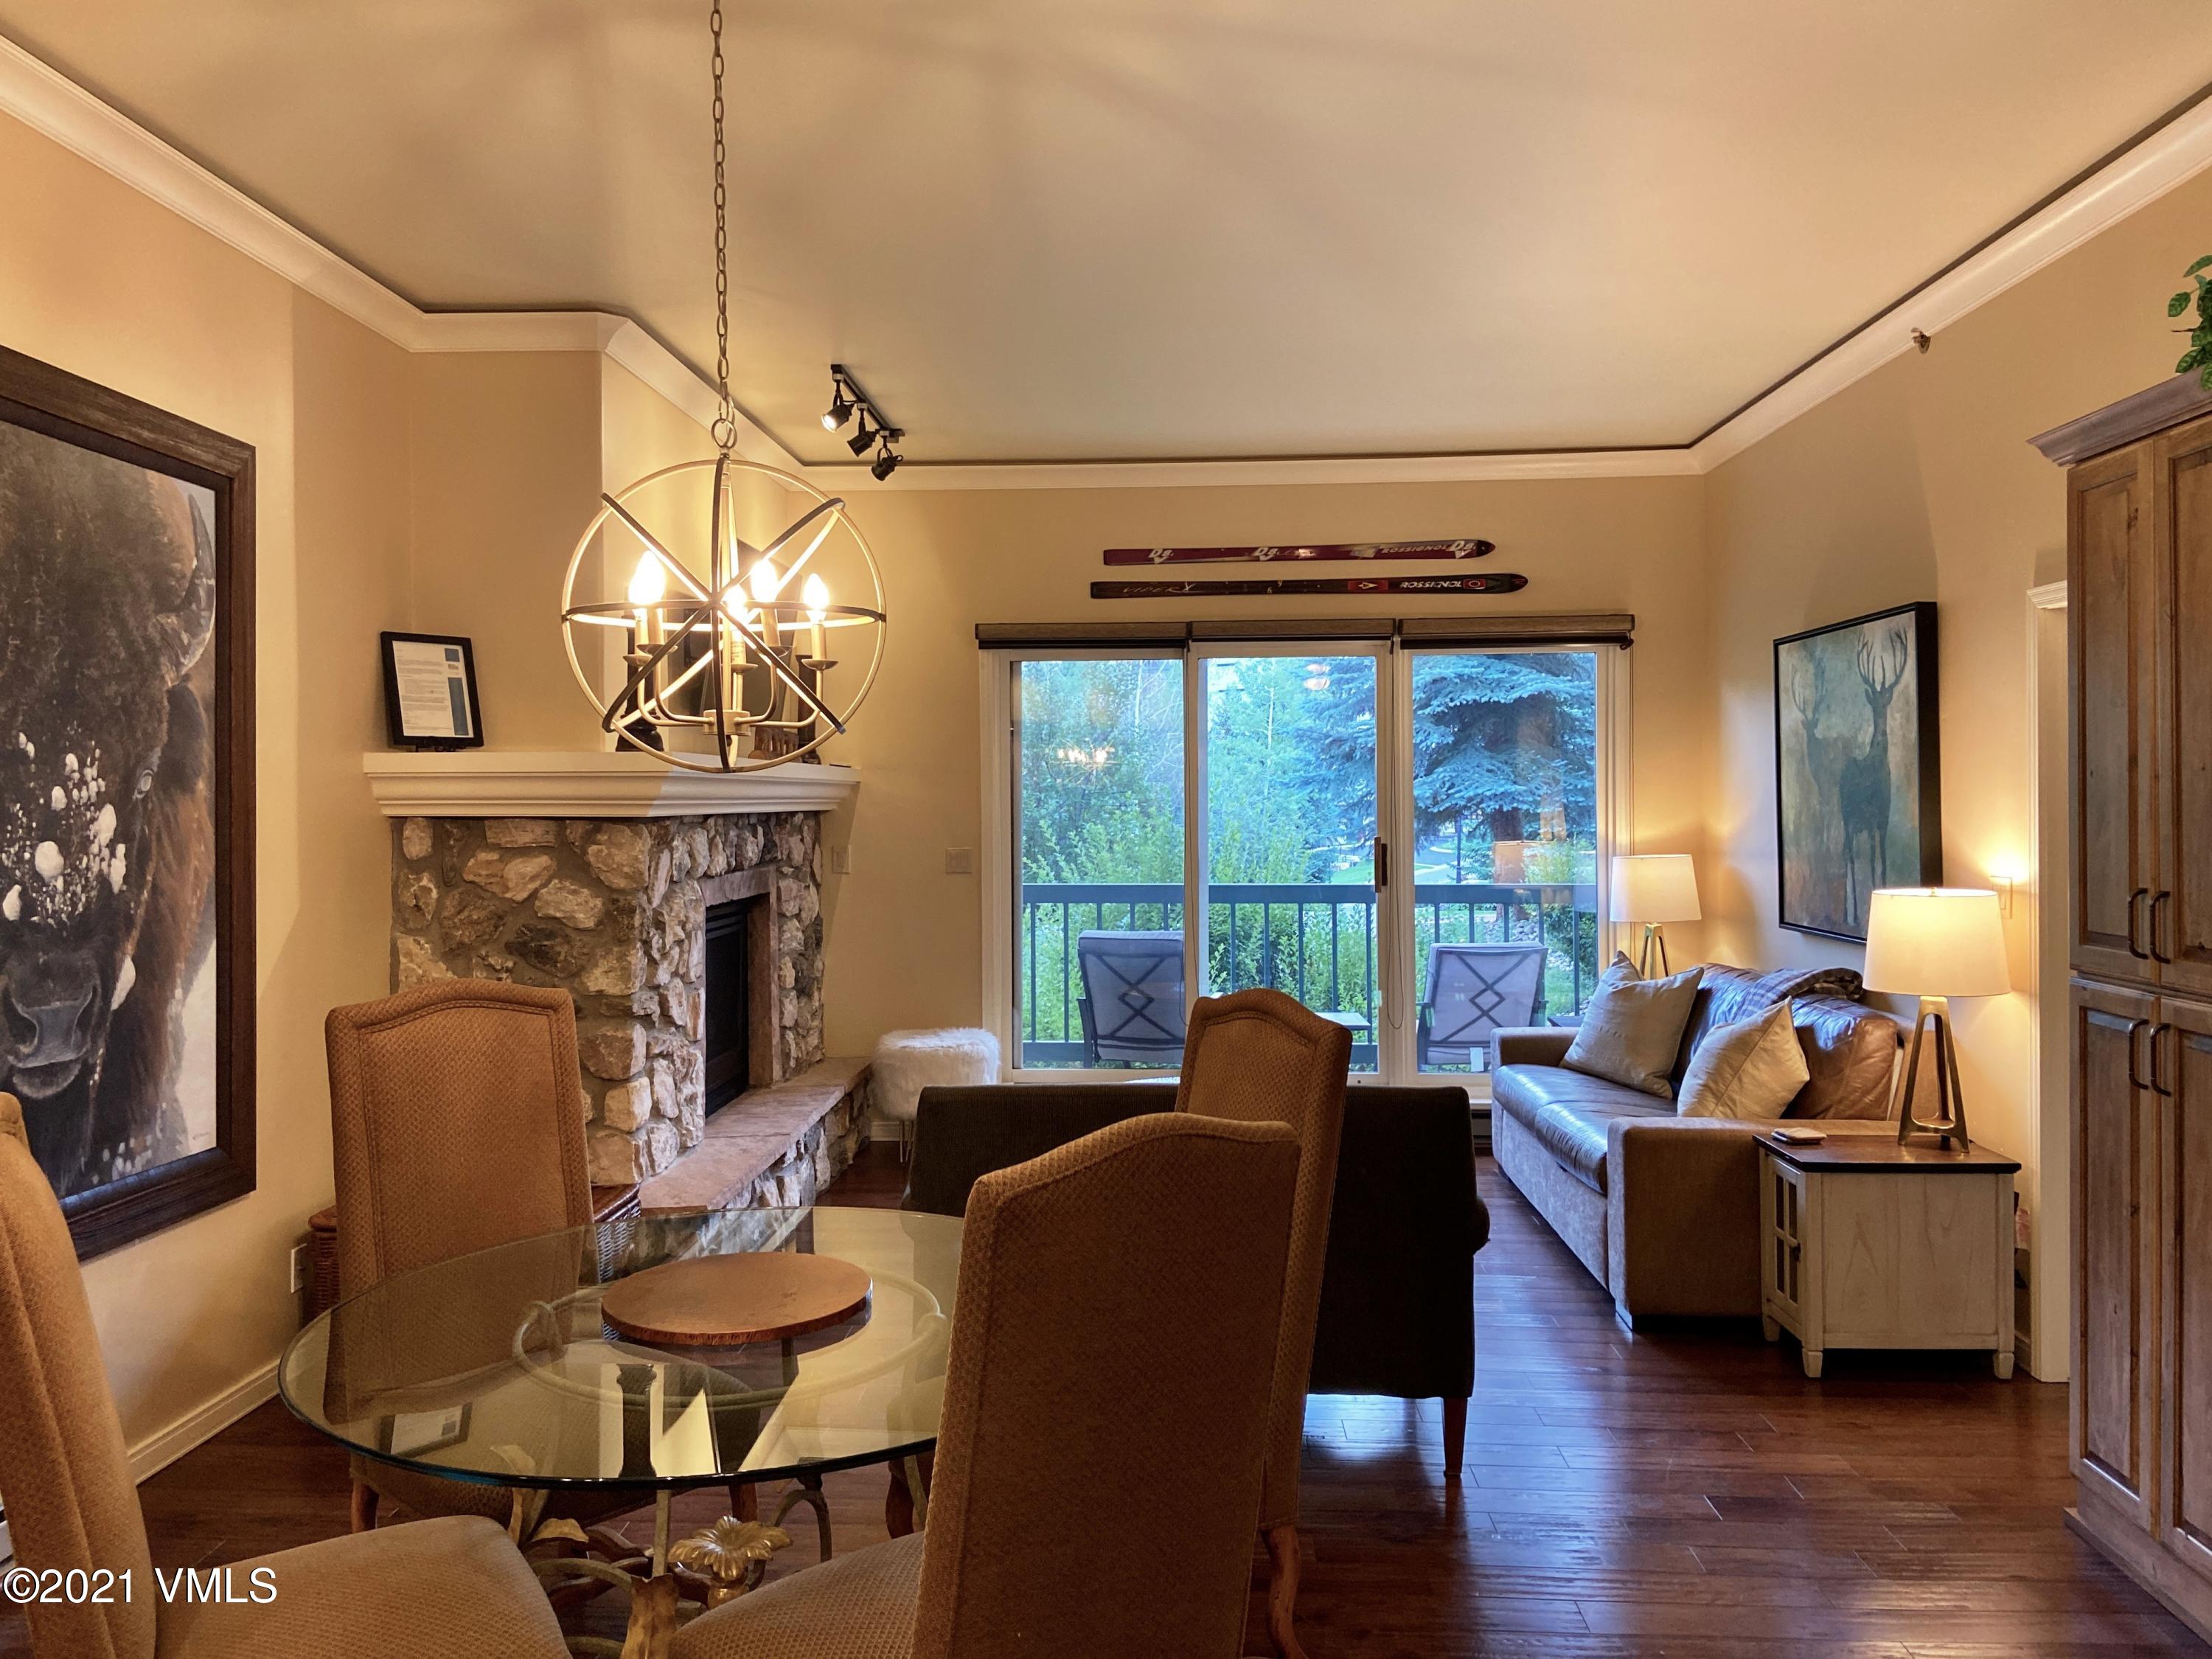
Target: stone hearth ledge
781	1144
533	783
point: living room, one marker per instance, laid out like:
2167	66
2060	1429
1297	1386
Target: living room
1577	596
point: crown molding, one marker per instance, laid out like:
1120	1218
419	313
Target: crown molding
56	107
1331	469
2172	154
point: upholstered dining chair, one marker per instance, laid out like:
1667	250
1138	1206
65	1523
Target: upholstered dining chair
456	1124
1258	1057
1074	1399
449	1588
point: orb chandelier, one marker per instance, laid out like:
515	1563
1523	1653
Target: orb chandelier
728	655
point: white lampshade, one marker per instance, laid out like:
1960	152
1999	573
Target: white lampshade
1937	942
1654	887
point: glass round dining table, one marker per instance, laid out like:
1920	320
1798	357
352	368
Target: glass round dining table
511	1366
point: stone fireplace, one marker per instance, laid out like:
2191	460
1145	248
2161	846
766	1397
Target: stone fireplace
612	903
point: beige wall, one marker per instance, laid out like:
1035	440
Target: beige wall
1918	482
99	280
905	939
435	493
506	454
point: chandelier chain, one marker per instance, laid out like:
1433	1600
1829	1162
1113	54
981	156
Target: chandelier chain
725	423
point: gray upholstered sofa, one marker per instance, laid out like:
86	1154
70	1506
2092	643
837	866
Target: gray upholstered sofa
1664	1210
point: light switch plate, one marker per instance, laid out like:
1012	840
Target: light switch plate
841	860
959	861
299	1267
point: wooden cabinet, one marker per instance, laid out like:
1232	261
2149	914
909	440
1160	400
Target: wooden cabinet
2139	575
2177	920
2113	688
2114	1398
2181	1078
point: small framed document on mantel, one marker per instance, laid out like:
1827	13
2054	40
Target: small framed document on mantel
430	692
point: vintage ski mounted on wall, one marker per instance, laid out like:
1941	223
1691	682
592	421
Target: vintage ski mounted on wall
1317	553
1503	581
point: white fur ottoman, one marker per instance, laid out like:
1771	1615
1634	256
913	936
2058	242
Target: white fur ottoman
907	1062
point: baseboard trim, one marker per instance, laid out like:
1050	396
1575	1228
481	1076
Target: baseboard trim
202	1424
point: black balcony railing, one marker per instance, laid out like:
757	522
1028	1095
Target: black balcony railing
1314	940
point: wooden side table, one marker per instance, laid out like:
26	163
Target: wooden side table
1868	1244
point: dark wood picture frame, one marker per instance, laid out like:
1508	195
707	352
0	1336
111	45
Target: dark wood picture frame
392	726
1928	782
42	399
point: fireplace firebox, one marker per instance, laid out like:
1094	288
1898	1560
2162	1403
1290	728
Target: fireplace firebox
737	946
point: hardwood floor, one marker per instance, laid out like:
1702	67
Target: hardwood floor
1625	1495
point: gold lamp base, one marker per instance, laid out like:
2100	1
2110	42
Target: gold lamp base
1652	962
1949	1124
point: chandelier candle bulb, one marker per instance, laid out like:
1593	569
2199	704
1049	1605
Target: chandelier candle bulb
816	594
765	588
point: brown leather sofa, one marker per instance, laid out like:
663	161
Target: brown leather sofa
1664	1210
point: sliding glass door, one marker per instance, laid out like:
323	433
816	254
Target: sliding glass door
1505	795
1291	826
1410	842
1098	946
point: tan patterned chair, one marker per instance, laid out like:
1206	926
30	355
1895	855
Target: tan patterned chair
1046	1531
453	1589
1257	1057
456	1124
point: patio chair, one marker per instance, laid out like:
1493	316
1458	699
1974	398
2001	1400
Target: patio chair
1474	991
1132	1005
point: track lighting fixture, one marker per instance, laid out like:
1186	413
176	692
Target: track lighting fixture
847	398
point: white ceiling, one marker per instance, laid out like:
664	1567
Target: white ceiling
1045	229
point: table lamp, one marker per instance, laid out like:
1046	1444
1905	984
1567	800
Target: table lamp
1935	943
1653	888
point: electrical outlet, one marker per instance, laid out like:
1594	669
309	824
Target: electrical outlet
298	1267
959	861
841	860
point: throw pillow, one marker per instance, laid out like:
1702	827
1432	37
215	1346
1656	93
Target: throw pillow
1748	1068
1632	1028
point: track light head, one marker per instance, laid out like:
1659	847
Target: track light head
849	398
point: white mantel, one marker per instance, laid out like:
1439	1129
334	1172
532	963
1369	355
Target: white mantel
529	783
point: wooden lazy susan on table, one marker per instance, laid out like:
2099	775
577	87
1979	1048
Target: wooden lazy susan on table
721	1301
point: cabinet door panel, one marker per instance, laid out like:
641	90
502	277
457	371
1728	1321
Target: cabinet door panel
2111	599
2185	1236
2113	1400
2182	911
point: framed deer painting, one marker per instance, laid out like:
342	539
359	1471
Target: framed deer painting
126	801
1857	774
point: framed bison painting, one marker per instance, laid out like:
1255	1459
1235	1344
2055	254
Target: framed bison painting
1857	771
126	801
